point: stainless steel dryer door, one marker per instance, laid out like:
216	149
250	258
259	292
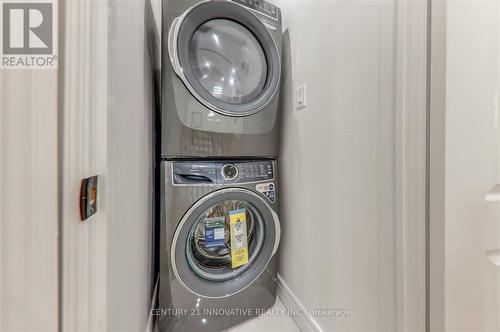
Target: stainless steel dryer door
206	270
226	57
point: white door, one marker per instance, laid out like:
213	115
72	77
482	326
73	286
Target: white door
465	233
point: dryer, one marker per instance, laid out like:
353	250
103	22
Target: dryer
221	71
204	285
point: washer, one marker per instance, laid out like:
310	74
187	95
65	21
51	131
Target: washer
221	74
199	288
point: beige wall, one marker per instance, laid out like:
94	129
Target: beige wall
337	161
28	200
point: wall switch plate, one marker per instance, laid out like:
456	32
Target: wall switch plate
301	93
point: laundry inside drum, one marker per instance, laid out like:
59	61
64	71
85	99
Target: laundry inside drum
214	262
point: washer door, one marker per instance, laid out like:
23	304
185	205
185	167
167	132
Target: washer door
206	270
226	57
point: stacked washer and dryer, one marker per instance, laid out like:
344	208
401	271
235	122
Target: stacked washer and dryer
220	229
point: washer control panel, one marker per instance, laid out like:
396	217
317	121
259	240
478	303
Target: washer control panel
256	171
221	172
260	6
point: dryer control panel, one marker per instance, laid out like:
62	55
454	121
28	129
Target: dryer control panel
260	6
221	172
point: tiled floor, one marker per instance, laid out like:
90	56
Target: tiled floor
275	320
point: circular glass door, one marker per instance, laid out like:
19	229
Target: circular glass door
224	242
214	261
228	61
226	57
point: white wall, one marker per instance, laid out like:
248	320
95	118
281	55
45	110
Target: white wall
107	132
28	200
129	178
472	225
338	162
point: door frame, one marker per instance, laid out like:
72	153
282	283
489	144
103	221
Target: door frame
411	157
411	180
83	108
436	160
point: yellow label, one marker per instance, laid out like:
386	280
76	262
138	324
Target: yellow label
238	230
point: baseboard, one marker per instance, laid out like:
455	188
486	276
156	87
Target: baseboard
292	303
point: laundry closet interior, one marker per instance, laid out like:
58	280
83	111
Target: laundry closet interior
255	159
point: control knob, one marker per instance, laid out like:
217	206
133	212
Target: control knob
229	172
